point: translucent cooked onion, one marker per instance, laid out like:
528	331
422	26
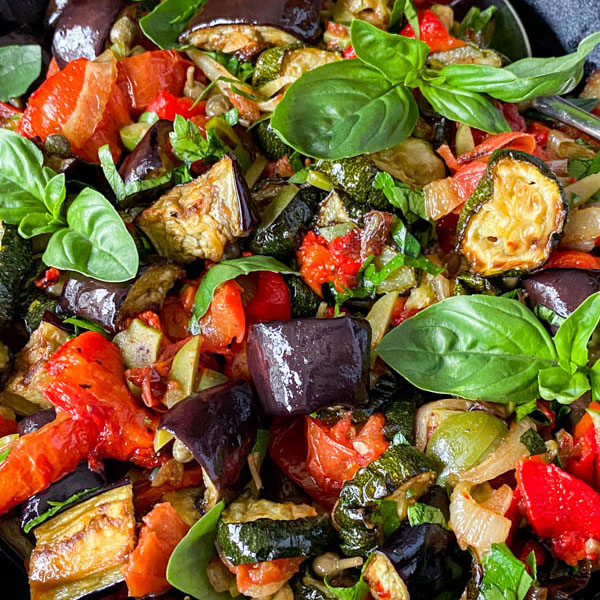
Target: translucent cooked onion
503	458
582	229
474	525
423	425
441	198
565	147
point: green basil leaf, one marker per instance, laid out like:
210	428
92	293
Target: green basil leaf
533	441
189	145
595	381
23	179
20	66
523	410
525	79
386	517
571	339
543	313
55	194
95	243
39	223
242	70
407	242
504	576
344	109
166	22
468	107
396	16
225	271
401	195
478	347
86	325
475	20
394	55
423	513
557	384
186	570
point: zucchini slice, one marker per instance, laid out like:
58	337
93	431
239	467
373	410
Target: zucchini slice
401	474
514	218
253	531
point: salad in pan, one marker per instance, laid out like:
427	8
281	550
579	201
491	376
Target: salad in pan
298	301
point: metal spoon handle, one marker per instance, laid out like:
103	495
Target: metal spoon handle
562	110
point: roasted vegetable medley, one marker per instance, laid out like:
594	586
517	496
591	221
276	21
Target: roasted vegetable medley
298	301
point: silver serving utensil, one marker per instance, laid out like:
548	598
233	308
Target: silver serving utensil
510	37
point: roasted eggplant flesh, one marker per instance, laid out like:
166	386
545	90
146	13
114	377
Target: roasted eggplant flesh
239	26
108	304
303	365
198	219
74	484
218	425
514	218
426	557
83	549
561	290
83	29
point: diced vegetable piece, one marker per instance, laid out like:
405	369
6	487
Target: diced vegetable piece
295	365
514	218
268	66
303	300
268	141
139	344
198	219
83	549
183	376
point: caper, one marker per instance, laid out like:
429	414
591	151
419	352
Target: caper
181	453
57	144
123	32
192	89
217	105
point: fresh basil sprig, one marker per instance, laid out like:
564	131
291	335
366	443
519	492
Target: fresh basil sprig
494	349
504	575
225	271
20	66
90	239
365	105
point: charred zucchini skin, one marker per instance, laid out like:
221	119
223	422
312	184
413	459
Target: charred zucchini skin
484	193
15	263
356	177
283	236
471	283
374	482
304	301
268	539
269	63
269	142
33	312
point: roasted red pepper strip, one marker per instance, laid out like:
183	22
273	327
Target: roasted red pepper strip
7	426
89	384
167	106
146	569
572	259
251	577
433	33
559	507
42	457
271	302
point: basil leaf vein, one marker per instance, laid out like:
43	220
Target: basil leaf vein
20	66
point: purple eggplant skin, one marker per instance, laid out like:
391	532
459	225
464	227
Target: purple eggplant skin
36	420
428	559
83	478
83	29
54	10
561	290
218	425
299	18
304	365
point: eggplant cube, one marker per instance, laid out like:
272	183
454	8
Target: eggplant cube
198	219
83	549
244	28
303	365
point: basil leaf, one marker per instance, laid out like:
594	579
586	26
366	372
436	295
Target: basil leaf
525	79
557	384
523	410
20	66
225	271
543	313
95	243
186	569
55	507
165	23
478	347
344	109
407	243
395	56
571	339
468	107
189	145
39	223
386	517
504	576
55	194
86	325
401	195
533	441
23	180
242	70
423	513
595	381
475	20
582	167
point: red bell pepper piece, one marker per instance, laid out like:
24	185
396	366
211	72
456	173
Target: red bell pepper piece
271	302
42	457
89	384
146	570
167	106
572	259
433	33
539	132
82	102
251	577
144	76
559	507
7	426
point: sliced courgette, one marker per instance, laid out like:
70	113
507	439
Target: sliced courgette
303	300
515	217
268	64
269	142
251	531
401	474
